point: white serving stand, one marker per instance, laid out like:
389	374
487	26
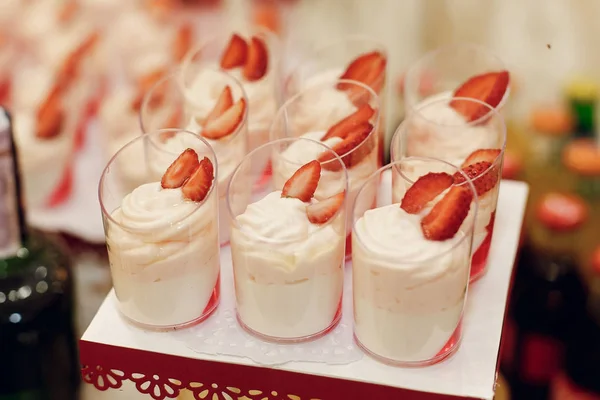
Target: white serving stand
161	366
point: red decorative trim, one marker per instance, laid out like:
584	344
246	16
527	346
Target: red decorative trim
163	377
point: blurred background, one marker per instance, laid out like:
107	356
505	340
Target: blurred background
107	48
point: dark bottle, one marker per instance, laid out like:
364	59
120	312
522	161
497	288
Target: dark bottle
580	378
38	344
583	95
547	296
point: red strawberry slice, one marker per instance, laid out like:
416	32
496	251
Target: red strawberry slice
345	126
482	180
425	189
180	170
224	102
303	184
353	149
197	187
50	115
5	91
321	212
446	217
369	69
488	88
480	155
235	54
227	122
144	85
68	11
183	42
71	66
257	62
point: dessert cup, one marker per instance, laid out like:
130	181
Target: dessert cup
261	89
410	273
44	131
444	70
186	102
163	248
437	130
314	114
288	263
332	61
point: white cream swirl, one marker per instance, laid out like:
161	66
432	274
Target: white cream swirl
274	242
410	273
320	106
206	86
160	228
438	131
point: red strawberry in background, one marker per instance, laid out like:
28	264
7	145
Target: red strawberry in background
424	190
226	123
357	145
50	115
257	62
488	88
345	126
303	184
321	212
235	53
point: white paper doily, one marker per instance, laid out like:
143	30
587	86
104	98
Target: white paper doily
221	334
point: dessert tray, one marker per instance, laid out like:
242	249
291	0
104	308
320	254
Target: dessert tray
217	360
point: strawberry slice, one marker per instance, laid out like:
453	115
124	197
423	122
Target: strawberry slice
224	102
303	184
258	60
197	187
72	64
227	122
343	127
480	155
482	180
321	212
5	91
368	68
144	85
353	149
180	170
425	189
235	54
50	115
488	88
446	217
68	11
183	42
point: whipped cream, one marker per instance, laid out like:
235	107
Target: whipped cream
408	291
440	132
205	88
164	255
320	106
288	271
38	18
44	162
331	182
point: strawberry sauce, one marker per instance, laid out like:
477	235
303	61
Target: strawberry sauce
63	190
479	260
450	345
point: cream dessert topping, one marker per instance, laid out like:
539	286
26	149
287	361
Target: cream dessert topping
164	245
454	140
287	263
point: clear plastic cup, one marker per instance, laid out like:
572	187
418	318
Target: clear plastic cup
409	292
328	62
184	102
163	249
288	271
436	130
262	94
444	70
310	113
